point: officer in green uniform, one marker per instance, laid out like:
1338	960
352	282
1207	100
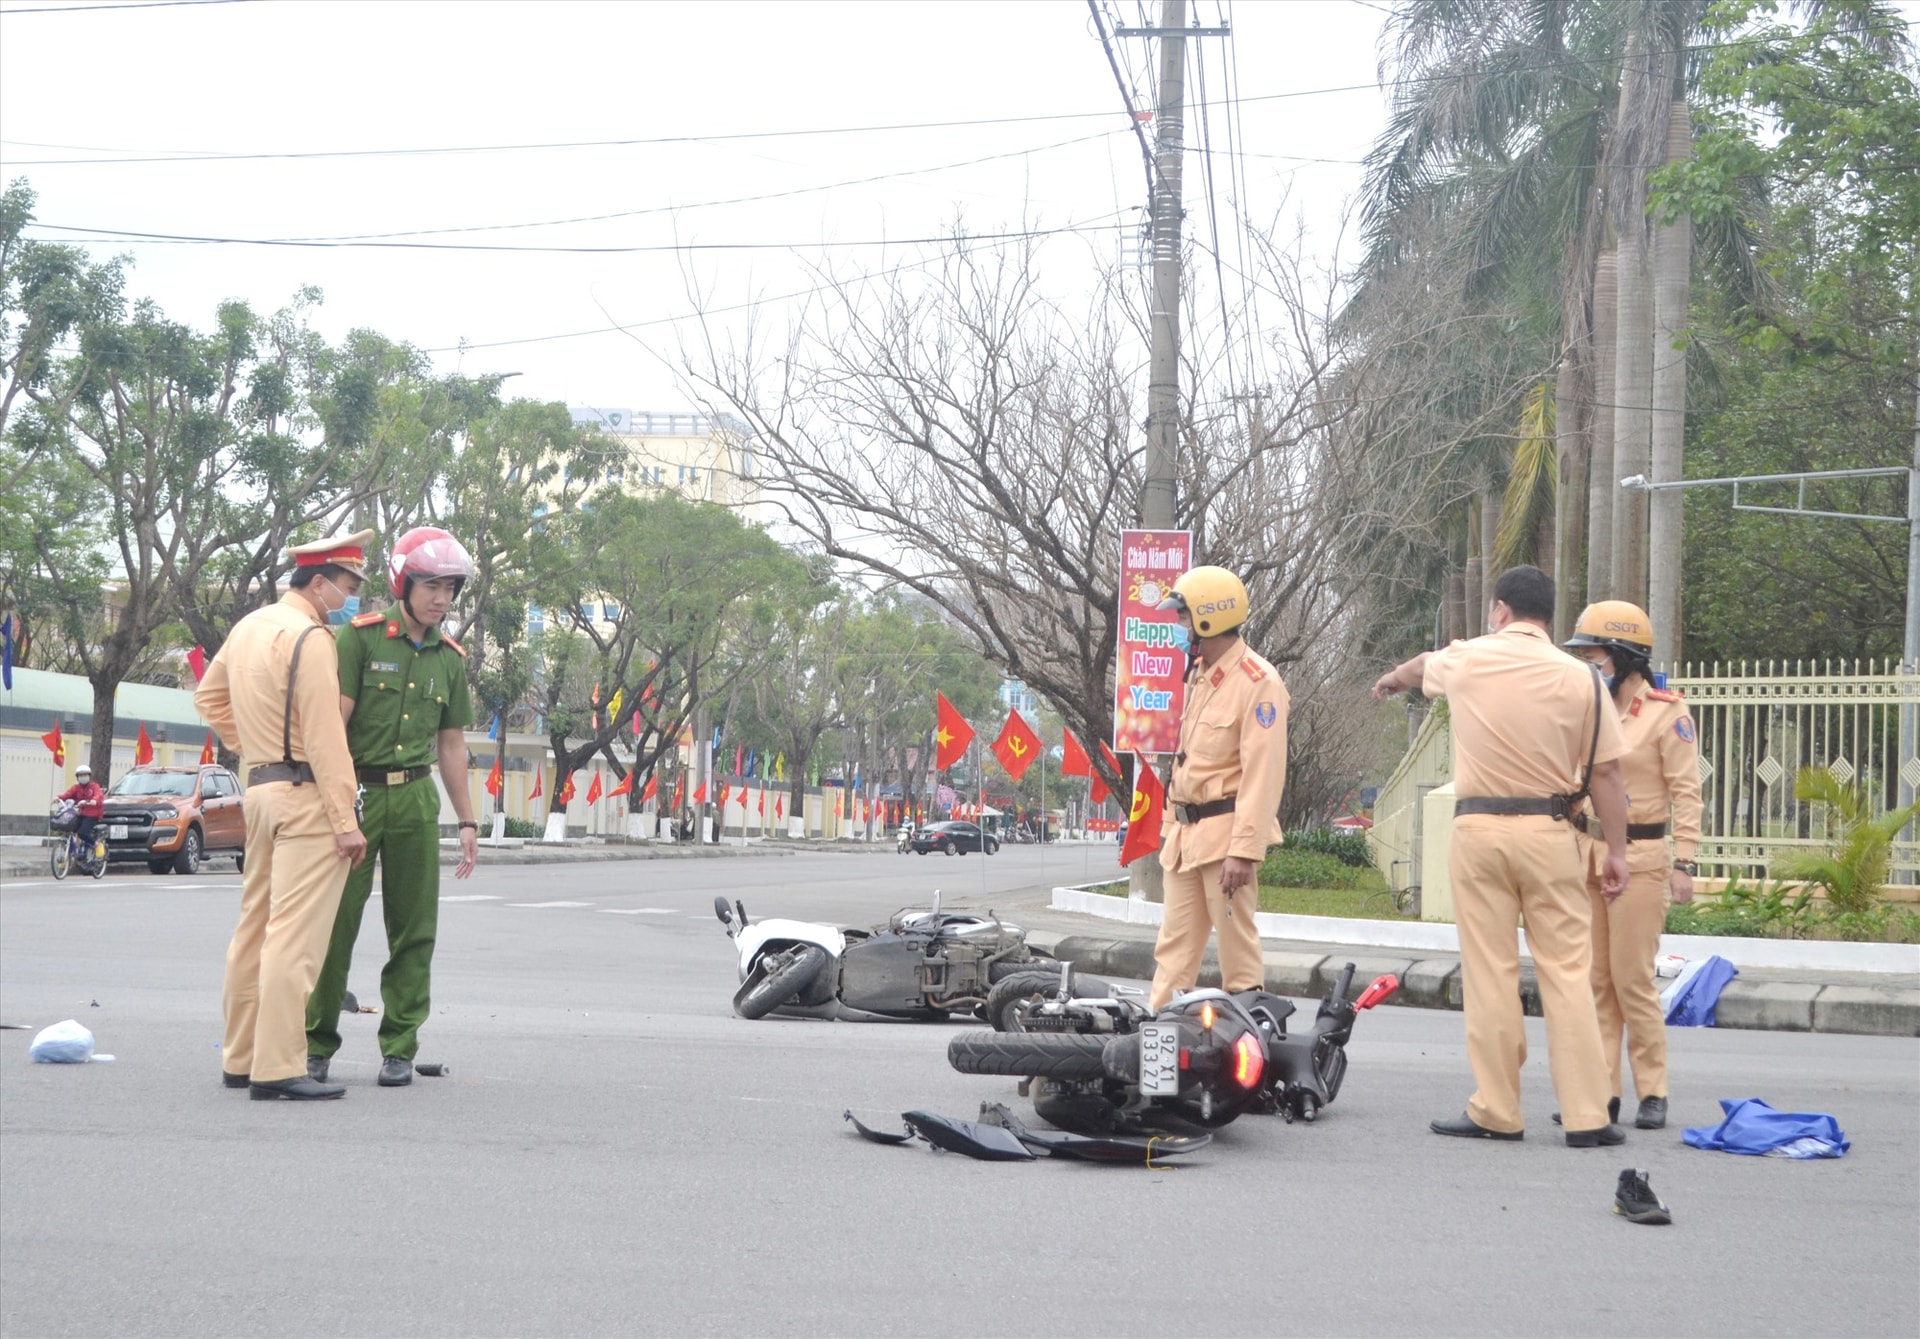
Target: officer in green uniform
403	691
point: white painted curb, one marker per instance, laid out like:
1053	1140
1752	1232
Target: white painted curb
1443	937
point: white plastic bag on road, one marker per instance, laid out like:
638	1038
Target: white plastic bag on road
65	1043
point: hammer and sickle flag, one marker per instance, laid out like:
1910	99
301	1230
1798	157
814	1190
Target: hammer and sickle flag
1017	746
952	736
1143	819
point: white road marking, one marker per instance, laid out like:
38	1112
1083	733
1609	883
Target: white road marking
549	904
472	897
638	911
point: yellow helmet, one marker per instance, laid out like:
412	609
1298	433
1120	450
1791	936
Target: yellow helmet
1214	598
1615	625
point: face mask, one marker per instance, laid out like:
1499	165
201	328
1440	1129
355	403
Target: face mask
348	610
1182	636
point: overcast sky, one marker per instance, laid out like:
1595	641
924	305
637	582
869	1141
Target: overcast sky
409	117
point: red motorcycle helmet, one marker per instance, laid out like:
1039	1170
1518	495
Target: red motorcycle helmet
426	552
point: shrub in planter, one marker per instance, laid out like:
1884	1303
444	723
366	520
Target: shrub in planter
1286	867
1349	848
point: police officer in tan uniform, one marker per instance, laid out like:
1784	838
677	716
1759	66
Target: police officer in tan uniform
273	694
1223	800
1528	721
1662	771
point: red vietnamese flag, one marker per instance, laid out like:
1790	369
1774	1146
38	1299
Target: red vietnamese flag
593	789
652	788
55	744
624	788
197	662
496	779
1017	746
539	783
700	793
1143	819
780	806
952	736
1073	759
1100	791
680	792
564	796
142	747
763	801
207	752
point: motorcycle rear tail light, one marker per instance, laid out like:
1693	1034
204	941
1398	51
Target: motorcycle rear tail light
1249	1060
1186	1058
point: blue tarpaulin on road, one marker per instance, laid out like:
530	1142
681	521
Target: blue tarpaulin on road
1753	1127
1697	993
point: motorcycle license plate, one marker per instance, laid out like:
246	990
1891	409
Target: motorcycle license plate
117	832
1159	1059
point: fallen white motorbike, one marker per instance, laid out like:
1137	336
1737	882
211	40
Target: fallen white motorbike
919	966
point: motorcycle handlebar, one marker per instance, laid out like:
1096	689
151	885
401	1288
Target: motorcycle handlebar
1344	984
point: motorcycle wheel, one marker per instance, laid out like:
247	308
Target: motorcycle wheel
1007	994
1048	1055
783	983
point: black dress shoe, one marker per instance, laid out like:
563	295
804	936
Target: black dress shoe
1464	1127
295	1090
1613	1112
1604	1137
396	1071
235	1080
1653	1114
317	1068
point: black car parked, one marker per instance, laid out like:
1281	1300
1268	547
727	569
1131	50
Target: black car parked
952	837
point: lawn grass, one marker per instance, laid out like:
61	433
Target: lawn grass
1368	902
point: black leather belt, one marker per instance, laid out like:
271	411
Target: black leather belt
1636	832
297	772
398	776
1193	813
1553	806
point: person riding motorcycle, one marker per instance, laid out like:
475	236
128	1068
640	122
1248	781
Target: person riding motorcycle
91	801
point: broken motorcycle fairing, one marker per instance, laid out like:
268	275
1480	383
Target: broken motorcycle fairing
920	965
999	1137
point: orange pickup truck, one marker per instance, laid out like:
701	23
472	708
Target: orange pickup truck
170	817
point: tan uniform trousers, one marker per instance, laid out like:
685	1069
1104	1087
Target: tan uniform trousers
1504	867
287	907
1626	938
1193	907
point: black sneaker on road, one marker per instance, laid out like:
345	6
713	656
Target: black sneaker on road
1635	1200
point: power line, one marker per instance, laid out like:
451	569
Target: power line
713	204
120	234
129	4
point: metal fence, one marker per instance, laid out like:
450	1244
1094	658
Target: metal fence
1759	724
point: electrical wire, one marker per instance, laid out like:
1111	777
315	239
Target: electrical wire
127	4
120	234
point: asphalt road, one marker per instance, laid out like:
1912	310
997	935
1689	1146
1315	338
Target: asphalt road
616	1153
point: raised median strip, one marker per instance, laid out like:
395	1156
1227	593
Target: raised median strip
1879	998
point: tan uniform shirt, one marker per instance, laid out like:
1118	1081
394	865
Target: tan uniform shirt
1233	741
244	697
1523	714
1662	771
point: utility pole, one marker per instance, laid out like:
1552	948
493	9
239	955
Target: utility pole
1163	378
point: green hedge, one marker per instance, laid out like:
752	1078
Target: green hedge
1288	867
1350	848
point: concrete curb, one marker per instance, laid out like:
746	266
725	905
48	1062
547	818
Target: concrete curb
1304	972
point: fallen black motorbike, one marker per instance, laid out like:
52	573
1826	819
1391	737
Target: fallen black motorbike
1102	1064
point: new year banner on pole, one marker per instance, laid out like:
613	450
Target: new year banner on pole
1149	672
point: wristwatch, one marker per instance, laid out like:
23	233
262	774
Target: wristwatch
1686	867
469	823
